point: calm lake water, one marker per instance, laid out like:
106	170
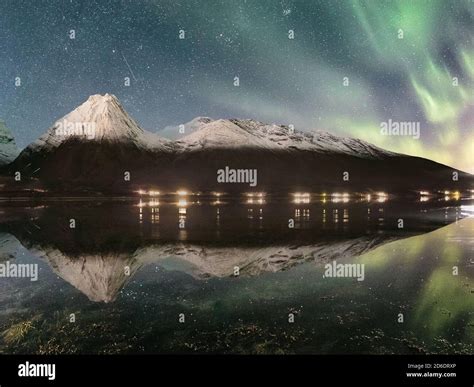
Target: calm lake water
158	276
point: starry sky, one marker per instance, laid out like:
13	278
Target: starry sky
351	65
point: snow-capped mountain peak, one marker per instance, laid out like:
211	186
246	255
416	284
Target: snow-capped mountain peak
100	118
222	134
235	133
174	132
199	121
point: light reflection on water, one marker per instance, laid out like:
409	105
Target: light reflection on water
151	207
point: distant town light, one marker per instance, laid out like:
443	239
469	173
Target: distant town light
302	196
255	194
382	197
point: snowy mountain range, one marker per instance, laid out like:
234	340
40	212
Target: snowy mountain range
234	133
103	119
94	145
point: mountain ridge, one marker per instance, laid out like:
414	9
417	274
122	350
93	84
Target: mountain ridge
116	125
103	118
285	158
273	136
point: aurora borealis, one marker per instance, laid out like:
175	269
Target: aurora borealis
351	65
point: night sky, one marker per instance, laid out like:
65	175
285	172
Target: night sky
296	81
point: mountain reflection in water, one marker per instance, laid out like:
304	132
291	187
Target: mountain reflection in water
133	270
